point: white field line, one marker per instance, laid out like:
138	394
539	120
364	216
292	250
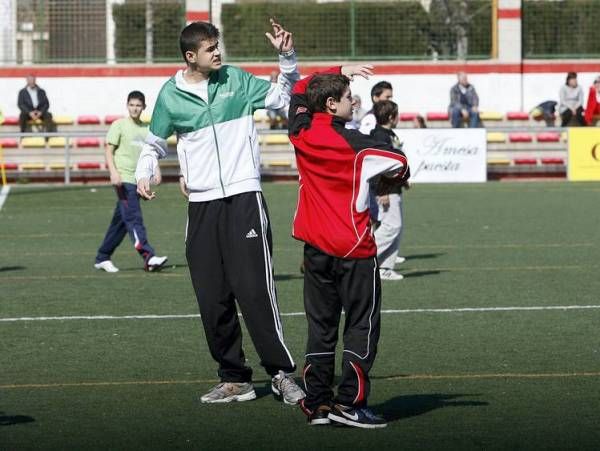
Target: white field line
384	312
64	385
4	195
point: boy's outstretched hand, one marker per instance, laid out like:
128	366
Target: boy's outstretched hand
281	39
362	70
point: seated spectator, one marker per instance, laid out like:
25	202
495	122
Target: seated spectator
545	111
380	91
357	113
278	119
593	103
571	101
34	105
464	103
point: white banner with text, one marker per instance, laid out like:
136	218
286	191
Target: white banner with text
445	155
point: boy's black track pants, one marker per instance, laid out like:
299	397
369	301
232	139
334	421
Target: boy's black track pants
330	284
229	249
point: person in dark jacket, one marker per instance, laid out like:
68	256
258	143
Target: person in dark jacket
389	196
545	111
34	105
464	103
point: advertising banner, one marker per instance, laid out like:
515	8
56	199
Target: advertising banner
584	154
445	155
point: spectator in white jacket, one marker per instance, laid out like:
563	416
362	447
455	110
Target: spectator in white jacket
571	101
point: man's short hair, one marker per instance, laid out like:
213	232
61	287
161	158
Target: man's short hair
378	88
196	32
138	95
321	87
384	110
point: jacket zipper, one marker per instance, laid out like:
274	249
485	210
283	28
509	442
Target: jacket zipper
212	124
251	151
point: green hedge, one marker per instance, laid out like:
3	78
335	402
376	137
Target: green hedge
478	24
561	29
324	30
396	30
130	33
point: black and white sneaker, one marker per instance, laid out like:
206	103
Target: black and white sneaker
319	416
155	263
360	417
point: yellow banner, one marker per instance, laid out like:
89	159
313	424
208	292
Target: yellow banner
584	154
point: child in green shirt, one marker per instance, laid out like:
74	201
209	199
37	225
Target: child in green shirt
123	146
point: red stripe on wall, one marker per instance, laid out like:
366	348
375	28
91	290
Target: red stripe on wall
509	13
197	16
439	68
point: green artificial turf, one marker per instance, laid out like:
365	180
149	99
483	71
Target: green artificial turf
513	379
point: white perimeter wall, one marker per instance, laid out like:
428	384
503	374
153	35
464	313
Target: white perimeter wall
413	93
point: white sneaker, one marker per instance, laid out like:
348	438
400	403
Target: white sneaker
390	274
230	391
107	266
400	260
284	387
155	263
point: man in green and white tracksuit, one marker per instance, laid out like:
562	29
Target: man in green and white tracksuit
210	107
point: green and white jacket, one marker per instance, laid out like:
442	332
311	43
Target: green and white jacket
217	146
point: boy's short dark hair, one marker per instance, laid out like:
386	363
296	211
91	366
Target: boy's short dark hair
139	95
196	32
378	88
321	87
384	111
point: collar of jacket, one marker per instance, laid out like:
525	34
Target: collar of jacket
328	119
389	131
213	79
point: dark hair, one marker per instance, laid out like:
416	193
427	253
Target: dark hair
378	88
139	95
384	110
196	32
321	87
421	121
570	76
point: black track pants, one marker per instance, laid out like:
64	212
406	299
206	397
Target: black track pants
331	284
228	250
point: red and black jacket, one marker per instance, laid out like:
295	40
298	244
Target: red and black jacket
335	165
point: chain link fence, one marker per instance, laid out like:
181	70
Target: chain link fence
90	31
561	29
147	31
362	29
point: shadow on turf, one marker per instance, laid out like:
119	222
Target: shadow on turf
9	420
406	406
11	268
164	269
422	273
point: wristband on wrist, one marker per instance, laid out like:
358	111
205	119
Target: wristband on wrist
288	53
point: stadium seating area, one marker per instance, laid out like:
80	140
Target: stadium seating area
516	143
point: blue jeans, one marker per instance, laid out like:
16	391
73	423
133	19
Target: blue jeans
127	218
457	119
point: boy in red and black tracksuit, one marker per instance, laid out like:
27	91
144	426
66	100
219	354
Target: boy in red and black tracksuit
332	218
